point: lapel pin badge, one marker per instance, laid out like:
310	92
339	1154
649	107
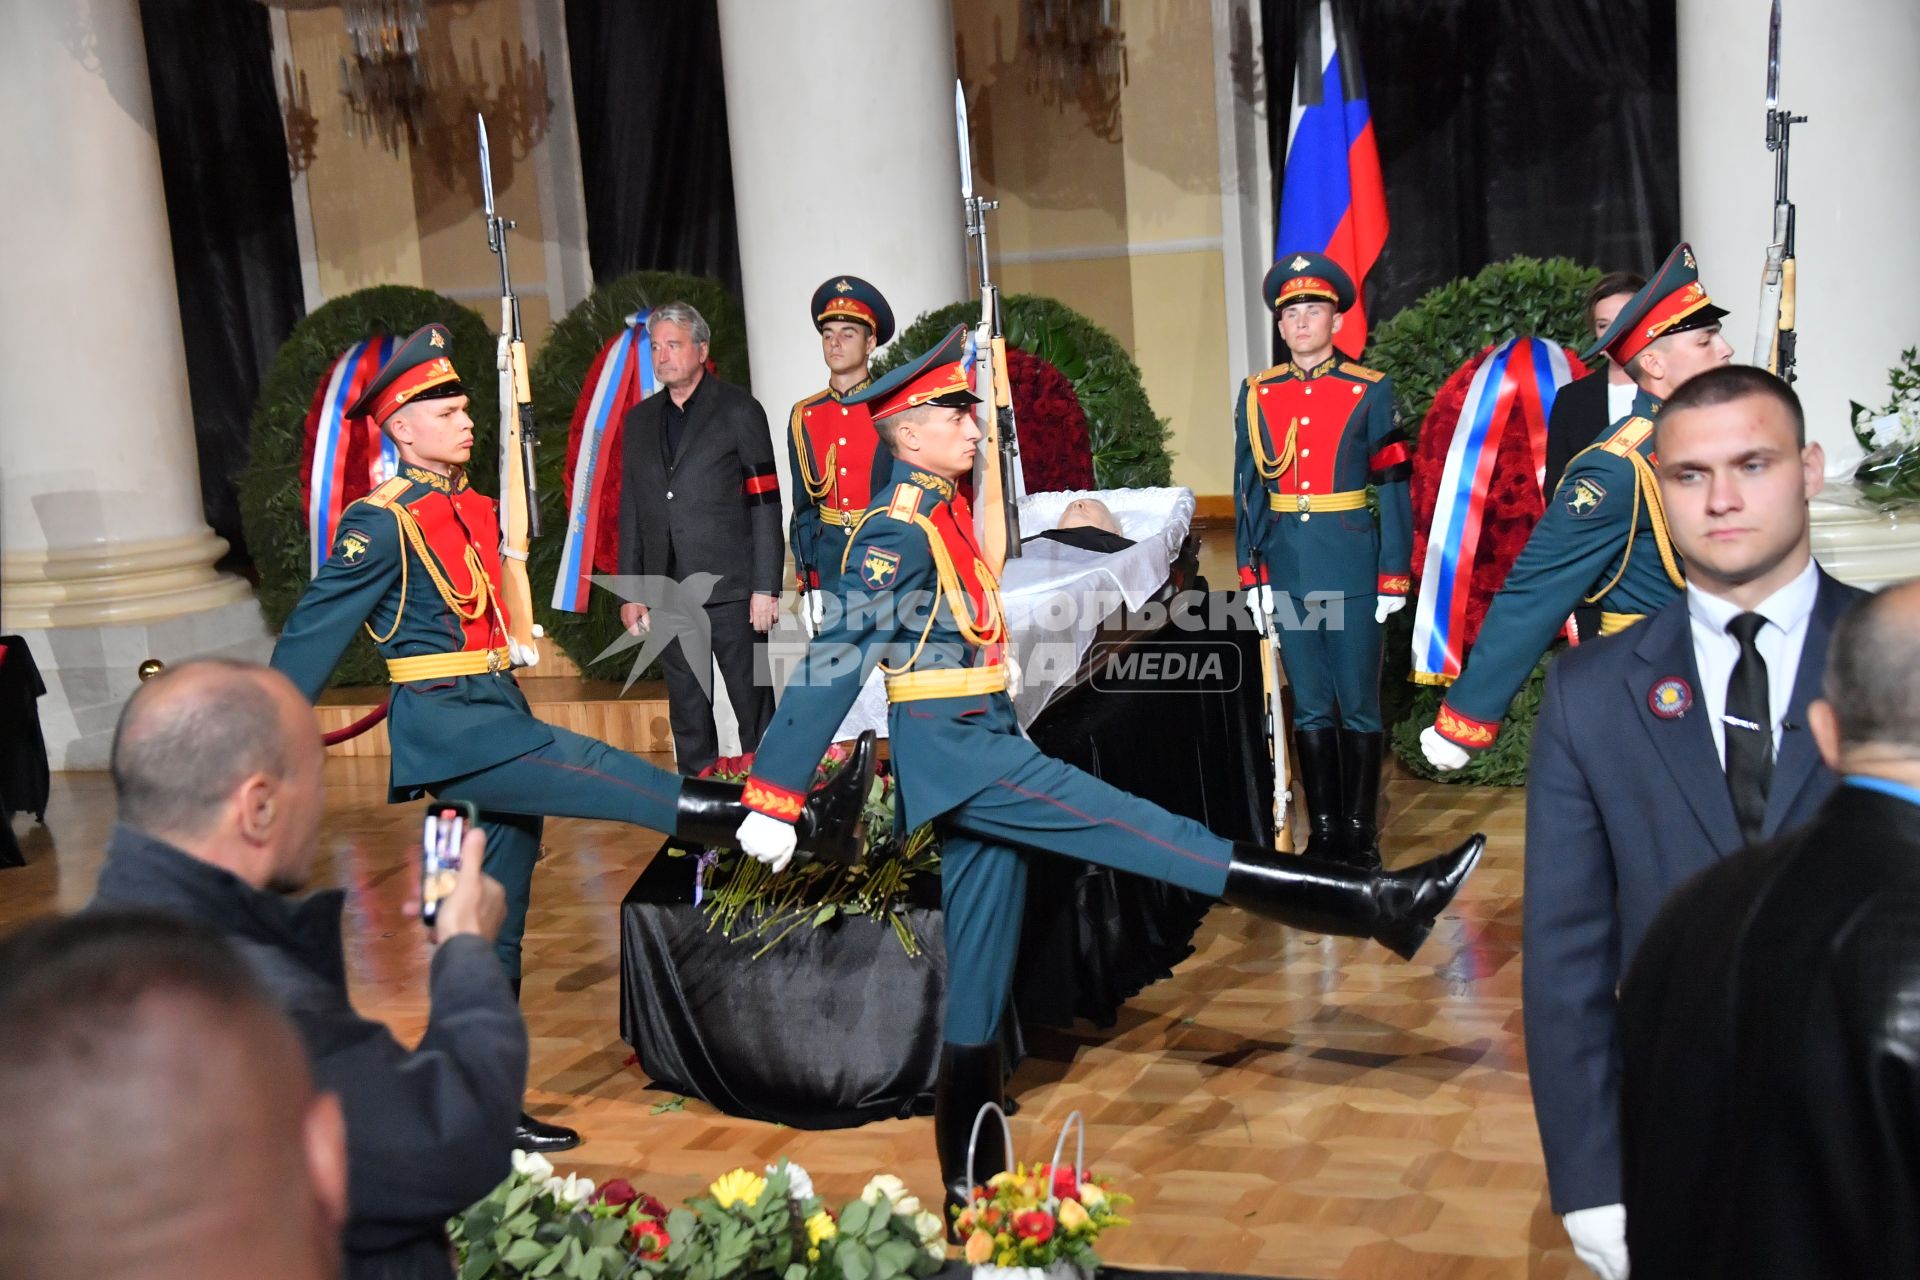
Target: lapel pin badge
1670	698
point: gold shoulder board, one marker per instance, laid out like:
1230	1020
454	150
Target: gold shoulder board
1628	439
389	493
1353	370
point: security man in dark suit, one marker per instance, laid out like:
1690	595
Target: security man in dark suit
700	495
1309	437
1603	539
920	603
833	455
1663	749
417	562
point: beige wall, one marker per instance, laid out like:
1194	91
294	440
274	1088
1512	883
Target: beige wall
1127	232
416	218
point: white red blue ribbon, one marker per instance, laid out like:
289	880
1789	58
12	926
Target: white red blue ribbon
1519	377
620	377
329	487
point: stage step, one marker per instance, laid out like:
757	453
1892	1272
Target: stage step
635	722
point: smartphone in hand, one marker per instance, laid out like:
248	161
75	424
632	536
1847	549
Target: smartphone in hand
446	825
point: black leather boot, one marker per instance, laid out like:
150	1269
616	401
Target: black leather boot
1316	755
1360	758
537	1135
829	824
1394	908
971	1075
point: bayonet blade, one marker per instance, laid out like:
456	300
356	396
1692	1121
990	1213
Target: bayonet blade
486	166
966	146
1773	58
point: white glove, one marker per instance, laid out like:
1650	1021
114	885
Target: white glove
765	838
1443	755
1012	665
813	610
1386	606
522	655
1599	1239
1260	601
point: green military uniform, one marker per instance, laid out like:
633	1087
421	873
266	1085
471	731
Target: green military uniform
1603	537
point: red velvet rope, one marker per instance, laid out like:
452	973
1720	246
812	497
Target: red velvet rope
358	727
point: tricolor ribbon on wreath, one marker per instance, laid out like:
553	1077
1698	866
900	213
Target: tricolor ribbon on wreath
620	377
350	457
1514	388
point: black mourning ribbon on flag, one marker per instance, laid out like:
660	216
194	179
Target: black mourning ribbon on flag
1749	729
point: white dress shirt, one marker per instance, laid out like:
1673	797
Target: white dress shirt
1715	651
1620	399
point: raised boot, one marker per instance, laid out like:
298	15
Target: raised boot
1360	758
710	811
971	1075
1316	756
1394	908
537	1135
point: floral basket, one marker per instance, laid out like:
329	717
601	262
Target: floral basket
1888	477
1024	1224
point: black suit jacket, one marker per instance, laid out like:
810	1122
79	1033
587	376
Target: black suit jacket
1771	1088
1623	807
714	505
1579	416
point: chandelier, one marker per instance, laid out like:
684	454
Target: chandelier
1076	54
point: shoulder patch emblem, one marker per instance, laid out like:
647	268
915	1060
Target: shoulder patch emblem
1351	369
388	493
878	568
906	501
1584	496
352	547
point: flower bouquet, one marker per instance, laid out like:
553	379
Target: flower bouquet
1028	1223
749	1226
743	899
1889	476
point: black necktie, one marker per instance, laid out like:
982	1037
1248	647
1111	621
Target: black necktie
1749	729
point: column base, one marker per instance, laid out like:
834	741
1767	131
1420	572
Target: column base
91	670
1861	546
123	582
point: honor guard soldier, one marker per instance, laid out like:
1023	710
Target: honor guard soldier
1603	536
920	603
417	562
832	451
1309	436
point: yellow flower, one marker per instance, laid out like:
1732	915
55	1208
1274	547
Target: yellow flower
1072	1216
738	1187
979	1249
1091	1195
821	1227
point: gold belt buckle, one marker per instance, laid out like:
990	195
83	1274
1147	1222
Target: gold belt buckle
493	661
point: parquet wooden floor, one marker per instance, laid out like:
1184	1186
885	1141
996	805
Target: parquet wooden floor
1283	1105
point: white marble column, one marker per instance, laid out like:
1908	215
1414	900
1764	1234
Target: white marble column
105	555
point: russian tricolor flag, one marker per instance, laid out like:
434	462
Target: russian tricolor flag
1332	200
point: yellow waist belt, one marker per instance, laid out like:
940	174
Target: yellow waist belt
1614	623
832	515
915	686
445	666
1350	500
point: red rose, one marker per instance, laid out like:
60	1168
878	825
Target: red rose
619	1193
649	1238
1035	1225
651	1208
1065	1185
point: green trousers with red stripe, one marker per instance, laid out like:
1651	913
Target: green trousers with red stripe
1042	806
573	776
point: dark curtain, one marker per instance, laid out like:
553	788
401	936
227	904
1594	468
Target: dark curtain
236	261
652	113
1505	127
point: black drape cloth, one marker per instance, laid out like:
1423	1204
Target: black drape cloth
1506	127
236	261
24	779
835	1026
651	108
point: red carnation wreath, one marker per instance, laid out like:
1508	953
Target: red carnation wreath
1056	444
1514	501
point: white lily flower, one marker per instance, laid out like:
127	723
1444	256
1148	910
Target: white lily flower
532	1166
573	1189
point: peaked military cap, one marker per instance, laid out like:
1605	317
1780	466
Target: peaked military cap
1673	301
421	369
1307	277
851	298
942	376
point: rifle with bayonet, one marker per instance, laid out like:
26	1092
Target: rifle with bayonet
1270	669
519	487
1774	347
996	468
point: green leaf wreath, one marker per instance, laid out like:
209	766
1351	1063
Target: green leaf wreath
559	374
1129	441
270	508
1420	348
